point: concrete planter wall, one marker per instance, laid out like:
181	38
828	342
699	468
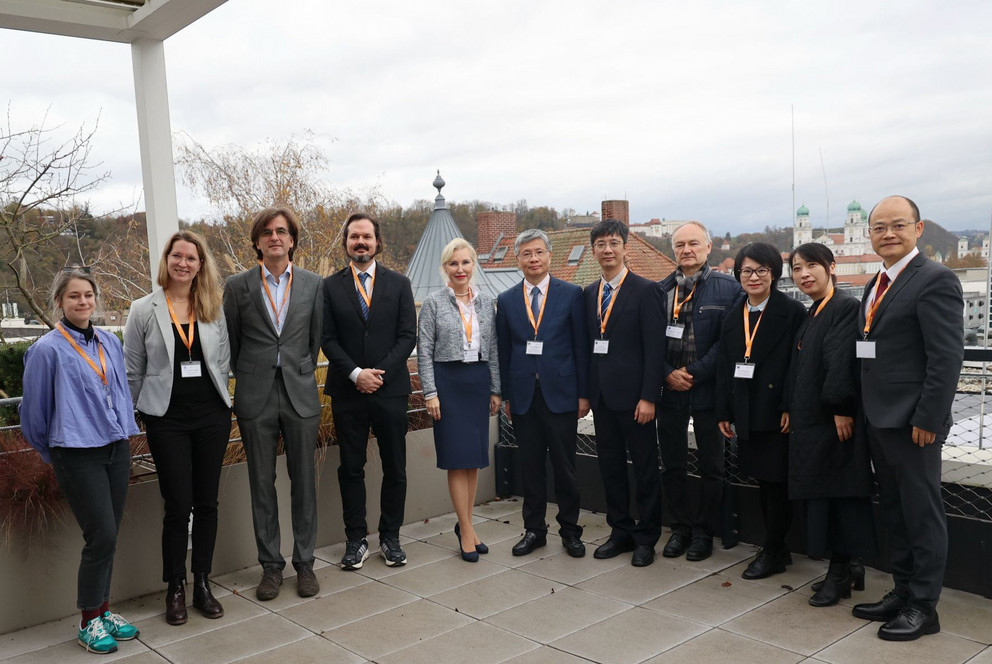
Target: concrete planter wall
40	580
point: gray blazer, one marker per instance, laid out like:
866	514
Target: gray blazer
149	353
440	337
255	344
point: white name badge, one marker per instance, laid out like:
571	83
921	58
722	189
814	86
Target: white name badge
865	350
601	346
190	369
675	331
744	370
535	347
471	356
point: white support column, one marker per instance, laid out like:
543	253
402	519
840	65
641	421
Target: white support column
155	138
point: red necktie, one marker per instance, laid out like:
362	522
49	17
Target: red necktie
883	284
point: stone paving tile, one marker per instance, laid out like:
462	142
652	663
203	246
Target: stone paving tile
443	575
790	623
235	641
498	509
478	643
629	584
39	636
311	650
417	554
865	646
570	571
347	606
156	633
422	530
553	616
800	573
714	600
70	652
985	657
961	615
486	597
396	629
331	580
489	531
629	637
547	655
714	646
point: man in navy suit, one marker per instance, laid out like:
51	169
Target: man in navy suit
370	329
911	349
626	329
544	367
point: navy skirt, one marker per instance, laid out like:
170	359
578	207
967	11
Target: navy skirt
461	436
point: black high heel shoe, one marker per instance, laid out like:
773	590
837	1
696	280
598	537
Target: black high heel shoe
469	556
857	576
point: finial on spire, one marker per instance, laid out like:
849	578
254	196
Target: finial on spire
438	182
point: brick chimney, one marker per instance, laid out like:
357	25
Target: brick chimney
619	210
491	225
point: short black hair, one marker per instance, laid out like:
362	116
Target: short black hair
815	252
912	206
609	227
761	253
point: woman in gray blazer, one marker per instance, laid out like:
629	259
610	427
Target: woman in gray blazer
177	356
458	361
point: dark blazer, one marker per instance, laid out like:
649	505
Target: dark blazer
757	404
823	382
714	297
631	371
563	364
384	342
919	334
255	344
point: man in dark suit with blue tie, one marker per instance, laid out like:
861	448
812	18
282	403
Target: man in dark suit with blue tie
626	330
544	367
911	350
370	329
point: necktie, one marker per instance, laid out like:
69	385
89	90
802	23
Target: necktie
883	284
607	293
535	304
363	277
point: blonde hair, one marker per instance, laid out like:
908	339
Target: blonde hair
449	251
61	282
206	289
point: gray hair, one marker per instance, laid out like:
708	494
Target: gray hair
528	235
61	282
699	224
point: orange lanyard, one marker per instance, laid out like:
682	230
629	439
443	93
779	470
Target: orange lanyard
609	310
361	289
268	294
101	370
824	303
679	305
188	342
466	322
540	315
748	333
877	299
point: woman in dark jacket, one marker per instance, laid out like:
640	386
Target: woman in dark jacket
755	351
829	468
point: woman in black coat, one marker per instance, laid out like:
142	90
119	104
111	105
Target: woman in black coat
753	368
829	468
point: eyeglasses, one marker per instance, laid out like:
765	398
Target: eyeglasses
538	253
882	229
281	232
761	272
189	260
612	244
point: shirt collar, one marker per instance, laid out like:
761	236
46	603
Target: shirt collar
615	281
541	286
759	307
896	268
271	277
370	270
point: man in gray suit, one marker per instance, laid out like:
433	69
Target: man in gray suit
273	319
911	349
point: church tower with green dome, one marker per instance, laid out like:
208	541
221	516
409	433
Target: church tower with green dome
855	231
802	231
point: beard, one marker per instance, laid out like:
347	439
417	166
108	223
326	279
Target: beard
361	258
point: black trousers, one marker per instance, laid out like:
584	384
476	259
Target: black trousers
617	433
673	440
776	509
912	510
386	416
541	434
94	481
188	454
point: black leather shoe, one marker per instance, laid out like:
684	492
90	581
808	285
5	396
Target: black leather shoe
700	549
573	546
885	609
837	585
910	624
643	556
612	548
175	603
528	543
765	564
204	600
677	544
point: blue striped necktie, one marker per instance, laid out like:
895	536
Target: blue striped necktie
607	294
535	305
363	277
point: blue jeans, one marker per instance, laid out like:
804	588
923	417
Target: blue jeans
94	480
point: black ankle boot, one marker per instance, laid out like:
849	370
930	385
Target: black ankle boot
836	585
203	599
175	603
858	573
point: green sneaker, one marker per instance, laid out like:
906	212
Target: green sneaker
95	638
119	628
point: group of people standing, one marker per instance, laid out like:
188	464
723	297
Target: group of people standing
815	399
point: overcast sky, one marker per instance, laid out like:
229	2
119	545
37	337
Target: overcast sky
683	108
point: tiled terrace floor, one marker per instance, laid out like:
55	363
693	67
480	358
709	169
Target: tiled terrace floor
545	608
